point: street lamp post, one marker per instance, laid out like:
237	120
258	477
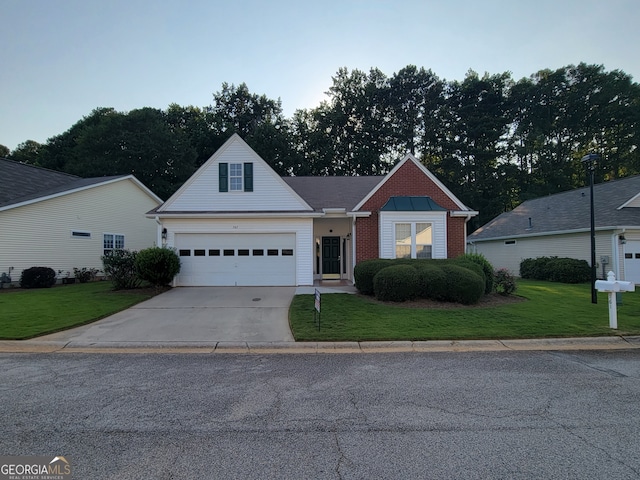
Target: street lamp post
590	161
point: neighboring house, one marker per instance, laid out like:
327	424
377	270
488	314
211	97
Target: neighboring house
237	222
52	219
560	225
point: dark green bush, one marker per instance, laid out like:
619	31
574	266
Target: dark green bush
487	268
364	272
535	268
462	285
554	269
157	265
38	277
569	270
397	283
474	267
431	282
119	266
505	282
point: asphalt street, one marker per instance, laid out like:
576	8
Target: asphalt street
464	415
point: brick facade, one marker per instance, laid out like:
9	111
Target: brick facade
408	180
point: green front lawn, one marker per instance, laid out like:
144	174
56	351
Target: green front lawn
550	310
30	313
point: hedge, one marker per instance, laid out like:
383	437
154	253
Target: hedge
554	269
364	272
398	280
397	283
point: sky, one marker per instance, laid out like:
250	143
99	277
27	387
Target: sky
61	59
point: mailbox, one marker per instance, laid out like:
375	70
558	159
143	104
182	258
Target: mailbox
613	286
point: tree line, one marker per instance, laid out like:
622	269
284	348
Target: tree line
492	140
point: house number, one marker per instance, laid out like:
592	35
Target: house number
235	227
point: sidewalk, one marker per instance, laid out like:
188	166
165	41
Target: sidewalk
544	344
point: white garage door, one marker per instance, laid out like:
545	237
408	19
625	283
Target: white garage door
218	259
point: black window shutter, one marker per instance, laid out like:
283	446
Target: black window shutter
248	177
223	177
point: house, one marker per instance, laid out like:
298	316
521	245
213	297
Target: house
237	222
53	219
560	225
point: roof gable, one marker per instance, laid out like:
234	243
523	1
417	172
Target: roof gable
22	184
408	167
200	193
22	181
568	211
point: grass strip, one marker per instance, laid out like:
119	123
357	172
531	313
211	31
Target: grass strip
550	310
31	313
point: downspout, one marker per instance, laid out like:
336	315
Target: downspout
159	232
353	247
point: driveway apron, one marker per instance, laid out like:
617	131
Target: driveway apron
195	314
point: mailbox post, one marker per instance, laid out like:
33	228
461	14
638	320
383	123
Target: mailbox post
612	287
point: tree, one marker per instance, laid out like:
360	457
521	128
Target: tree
27	152
4	151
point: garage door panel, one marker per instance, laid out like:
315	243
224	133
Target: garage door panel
236	259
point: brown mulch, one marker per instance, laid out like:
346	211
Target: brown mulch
487	301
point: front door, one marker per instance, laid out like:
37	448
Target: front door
330	257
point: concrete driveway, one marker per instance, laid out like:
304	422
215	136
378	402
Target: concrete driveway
195	315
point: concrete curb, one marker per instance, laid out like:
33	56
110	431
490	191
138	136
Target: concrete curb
542	344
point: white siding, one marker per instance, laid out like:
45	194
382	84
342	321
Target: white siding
39	234
578	245
302	228
387	231
270	192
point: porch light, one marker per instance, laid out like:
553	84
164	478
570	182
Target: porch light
164	234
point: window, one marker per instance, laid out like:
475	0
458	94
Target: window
403	240
235	177
184	253
198	253
414	240
272	252
287	252
214	253
243	252
509	242
229	253
80	234
423	240
258	253
111	242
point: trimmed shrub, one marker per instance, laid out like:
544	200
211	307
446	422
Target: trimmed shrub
119	266
474	267
569	270
431	282
462	285
535	268
554	269
487	268
364	272
157	265
38	277
505	283
396	283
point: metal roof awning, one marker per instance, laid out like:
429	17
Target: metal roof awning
412	204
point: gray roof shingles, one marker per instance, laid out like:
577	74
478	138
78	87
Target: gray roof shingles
567	211
333	192
21	183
